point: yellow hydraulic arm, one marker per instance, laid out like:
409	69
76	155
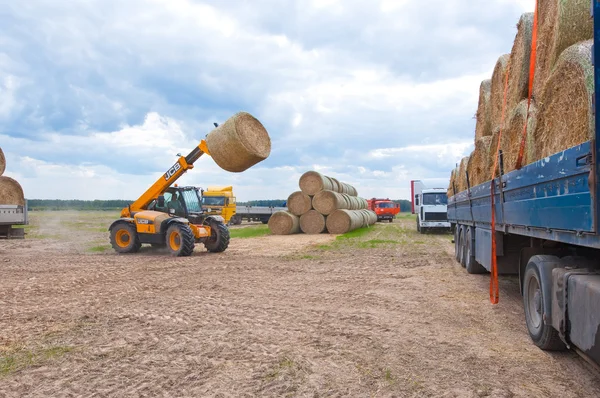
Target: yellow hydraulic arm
166	180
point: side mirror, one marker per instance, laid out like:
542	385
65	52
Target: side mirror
161	201
171	211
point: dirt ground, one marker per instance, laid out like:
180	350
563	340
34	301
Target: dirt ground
387	314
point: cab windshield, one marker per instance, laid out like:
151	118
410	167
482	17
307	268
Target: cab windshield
213	201
433	199
192	201
386	205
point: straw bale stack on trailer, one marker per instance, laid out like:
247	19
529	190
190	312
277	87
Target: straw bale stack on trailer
2	162
483	127
13	205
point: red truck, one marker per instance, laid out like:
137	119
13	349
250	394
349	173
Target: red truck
384	208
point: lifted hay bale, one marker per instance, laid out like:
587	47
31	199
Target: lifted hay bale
483	126
299	203
513	132
565	109
2	162
560	25
239	143
497	90
520	55
312	222
342	220
312	182
11	192
325	202
478	162
284	223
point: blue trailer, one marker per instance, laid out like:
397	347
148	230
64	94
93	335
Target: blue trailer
548	233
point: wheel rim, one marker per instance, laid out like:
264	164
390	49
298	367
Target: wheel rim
123	238
175	240
534	303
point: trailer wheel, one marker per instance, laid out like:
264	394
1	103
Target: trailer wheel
472	266
544	336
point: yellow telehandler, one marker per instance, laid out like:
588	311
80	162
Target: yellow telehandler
170	216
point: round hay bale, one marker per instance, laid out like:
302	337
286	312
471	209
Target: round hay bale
2	162
284	223
560	25
299	203
11	192
483	123
478	162
492	153
239	143
520	55
312	182
312	222
565	108
450	191
513	133
497	90
461	177
325	202
343	220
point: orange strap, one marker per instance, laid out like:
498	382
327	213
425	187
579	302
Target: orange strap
532	61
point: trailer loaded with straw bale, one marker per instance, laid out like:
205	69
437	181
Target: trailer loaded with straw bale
13	205
310	210
537	214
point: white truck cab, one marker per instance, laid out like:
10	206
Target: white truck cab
431	207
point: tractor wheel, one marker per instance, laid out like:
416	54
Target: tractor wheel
219	237
180	240
124	238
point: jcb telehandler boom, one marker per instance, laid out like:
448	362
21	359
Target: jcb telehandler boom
171	216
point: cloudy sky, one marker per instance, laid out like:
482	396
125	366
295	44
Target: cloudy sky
97	97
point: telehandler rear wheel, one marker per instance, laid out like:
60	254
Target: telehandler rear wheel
180	240
219	237
124	238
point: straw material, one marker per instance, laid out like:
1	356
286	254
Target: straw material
284	223
299	203
312	222
518	79
565	109
312	182
325	202
342	220
483	125
2	162
461	177
497	90
450	191
478	162
239	143
561	24
11	192
513	134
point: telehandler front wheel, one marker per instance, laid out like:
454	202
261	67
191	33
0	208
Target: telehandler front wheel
180	240
219	237
124	238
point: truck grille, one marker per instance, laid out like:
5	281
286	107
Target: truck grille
436	216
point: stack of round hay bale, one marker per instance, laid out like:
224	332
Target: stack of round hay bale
561	110
11	192
323	204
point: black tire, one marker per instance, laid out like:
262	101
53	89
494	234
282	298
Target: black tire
391	220
219	237
462	246
472	266
544	336
124	238
179	239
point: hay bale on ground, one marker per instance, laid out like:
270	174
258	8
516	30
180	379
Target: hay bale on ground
11	192
284	223
513	133
239	143
299	203
325	202
520	56
2	162
478	162
461	177
497	90
560	25
312	182
312	222
342	220
565	108
483	127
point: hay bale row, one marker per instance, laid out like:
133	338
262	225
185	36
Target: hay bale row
325	202
284	223
342	220
312	182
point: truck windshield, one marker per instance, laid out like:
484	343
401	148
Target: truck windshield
435	199
385	205
213	200
191	201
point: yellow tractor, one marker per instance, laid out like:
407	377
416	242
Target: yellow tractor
170	216
219	201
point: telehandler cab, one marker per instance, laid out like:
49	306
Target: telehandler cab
171	216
